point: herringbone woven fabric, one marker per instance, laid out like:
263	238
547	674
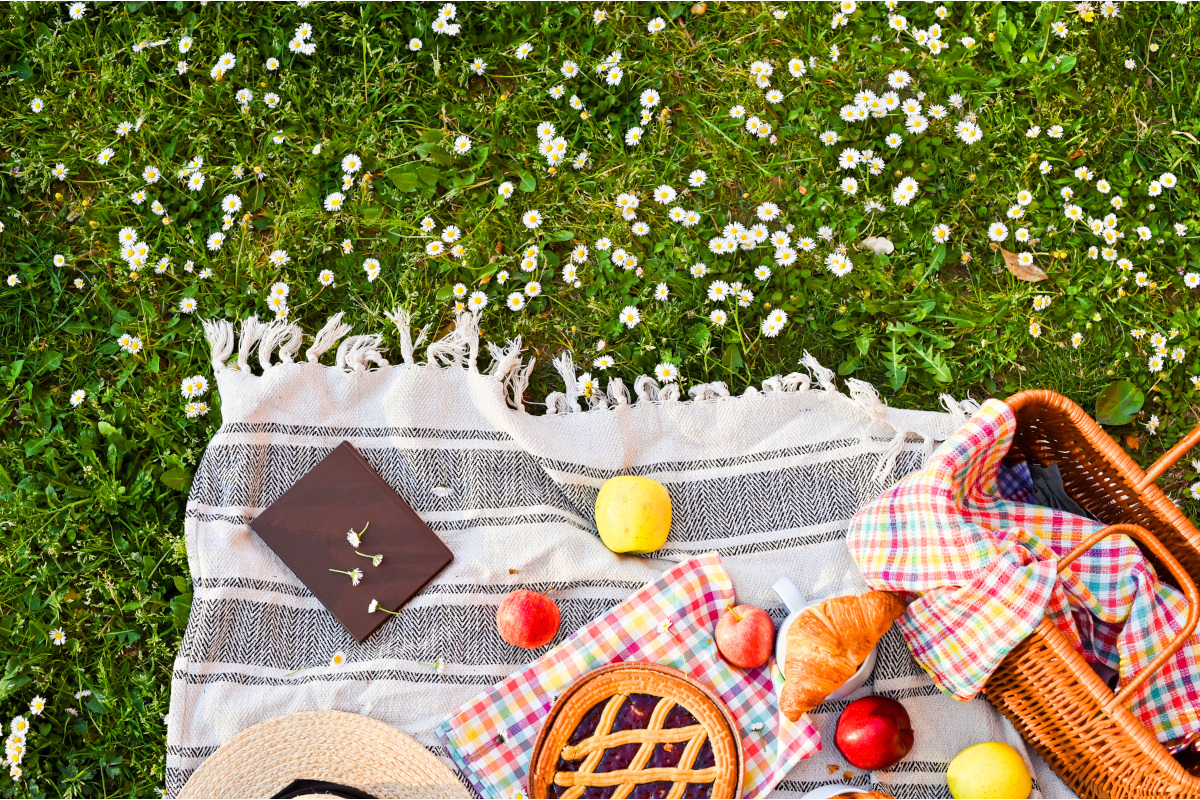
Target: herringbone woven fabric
768	480
984	568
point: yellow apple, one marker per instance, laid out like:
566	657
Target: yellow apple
991	769
633	514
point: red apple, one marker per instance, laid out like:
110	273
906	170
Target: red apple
745	636
527	619
874	733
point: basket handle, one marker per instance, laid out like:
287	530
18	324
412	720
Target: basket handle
1186	583
1168	459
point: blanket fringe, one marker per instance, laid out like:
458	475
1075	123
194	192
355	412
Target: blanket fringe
961	410
504	359
517	382
251	330
566	401
357	353
402	318
866	397
219	333
327	337
648	391
618	393
460	348
792	382
709	391
291	344
824	375
271	336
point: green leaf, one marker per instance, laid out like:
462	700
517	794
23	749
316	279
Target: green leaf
1118	403
562	236
427	174
177	478
896	371
21	71
12	679
107	429
528	184
939	257
732	358
404	179
1064	64
936	363
181	607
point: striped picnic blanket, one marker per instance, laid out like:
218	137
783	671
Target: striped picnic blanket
768	480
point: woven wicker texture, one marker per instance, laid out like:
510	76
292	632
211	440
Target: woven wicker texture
1048	691
612	686
331	746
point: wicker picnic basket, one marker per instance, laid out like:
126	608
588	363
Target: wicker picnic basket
1056	701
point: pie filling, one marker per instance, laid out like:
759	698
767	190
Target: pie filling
635	714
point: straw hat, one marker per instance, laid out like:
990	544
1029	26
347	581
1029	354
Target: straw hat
323	754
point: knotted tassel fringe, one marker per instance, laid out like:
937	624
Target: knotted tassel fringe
328	336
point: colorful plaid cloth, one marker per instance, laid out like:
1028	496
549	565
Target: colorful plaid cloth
669	621
981	561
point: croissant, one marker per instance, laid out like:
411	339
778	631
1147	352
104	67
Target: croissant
828	642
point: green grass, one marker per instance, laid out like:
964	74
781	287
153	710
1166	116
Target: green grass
93	497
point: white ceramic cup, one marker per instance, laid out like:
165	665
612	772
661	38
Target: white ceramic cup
795	604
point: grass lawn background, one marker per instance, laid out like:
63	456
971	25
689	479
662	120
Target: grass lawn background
92	495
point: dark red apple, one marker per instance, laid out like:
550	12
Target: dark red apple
745	636
527	619
874	733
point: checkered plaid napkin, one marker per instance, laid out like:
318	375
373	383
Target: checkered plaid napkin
963	537
669	621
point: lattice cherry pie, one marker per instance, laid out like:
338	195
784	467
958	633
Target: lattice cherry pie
637	730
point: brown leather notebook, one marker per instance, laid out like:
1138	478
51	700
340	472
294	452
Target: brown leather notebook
307	527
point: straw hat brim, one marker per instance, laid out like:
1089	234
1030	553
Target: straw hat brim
328	746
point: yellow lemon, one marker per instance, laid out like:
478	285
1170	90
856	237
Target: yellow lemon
633	514
991	769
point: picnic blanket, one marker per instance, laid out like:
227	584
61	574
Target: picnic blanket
669	621
768	480
981	559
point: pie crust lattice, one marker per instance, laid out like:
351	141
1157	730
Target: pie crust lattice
637	730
